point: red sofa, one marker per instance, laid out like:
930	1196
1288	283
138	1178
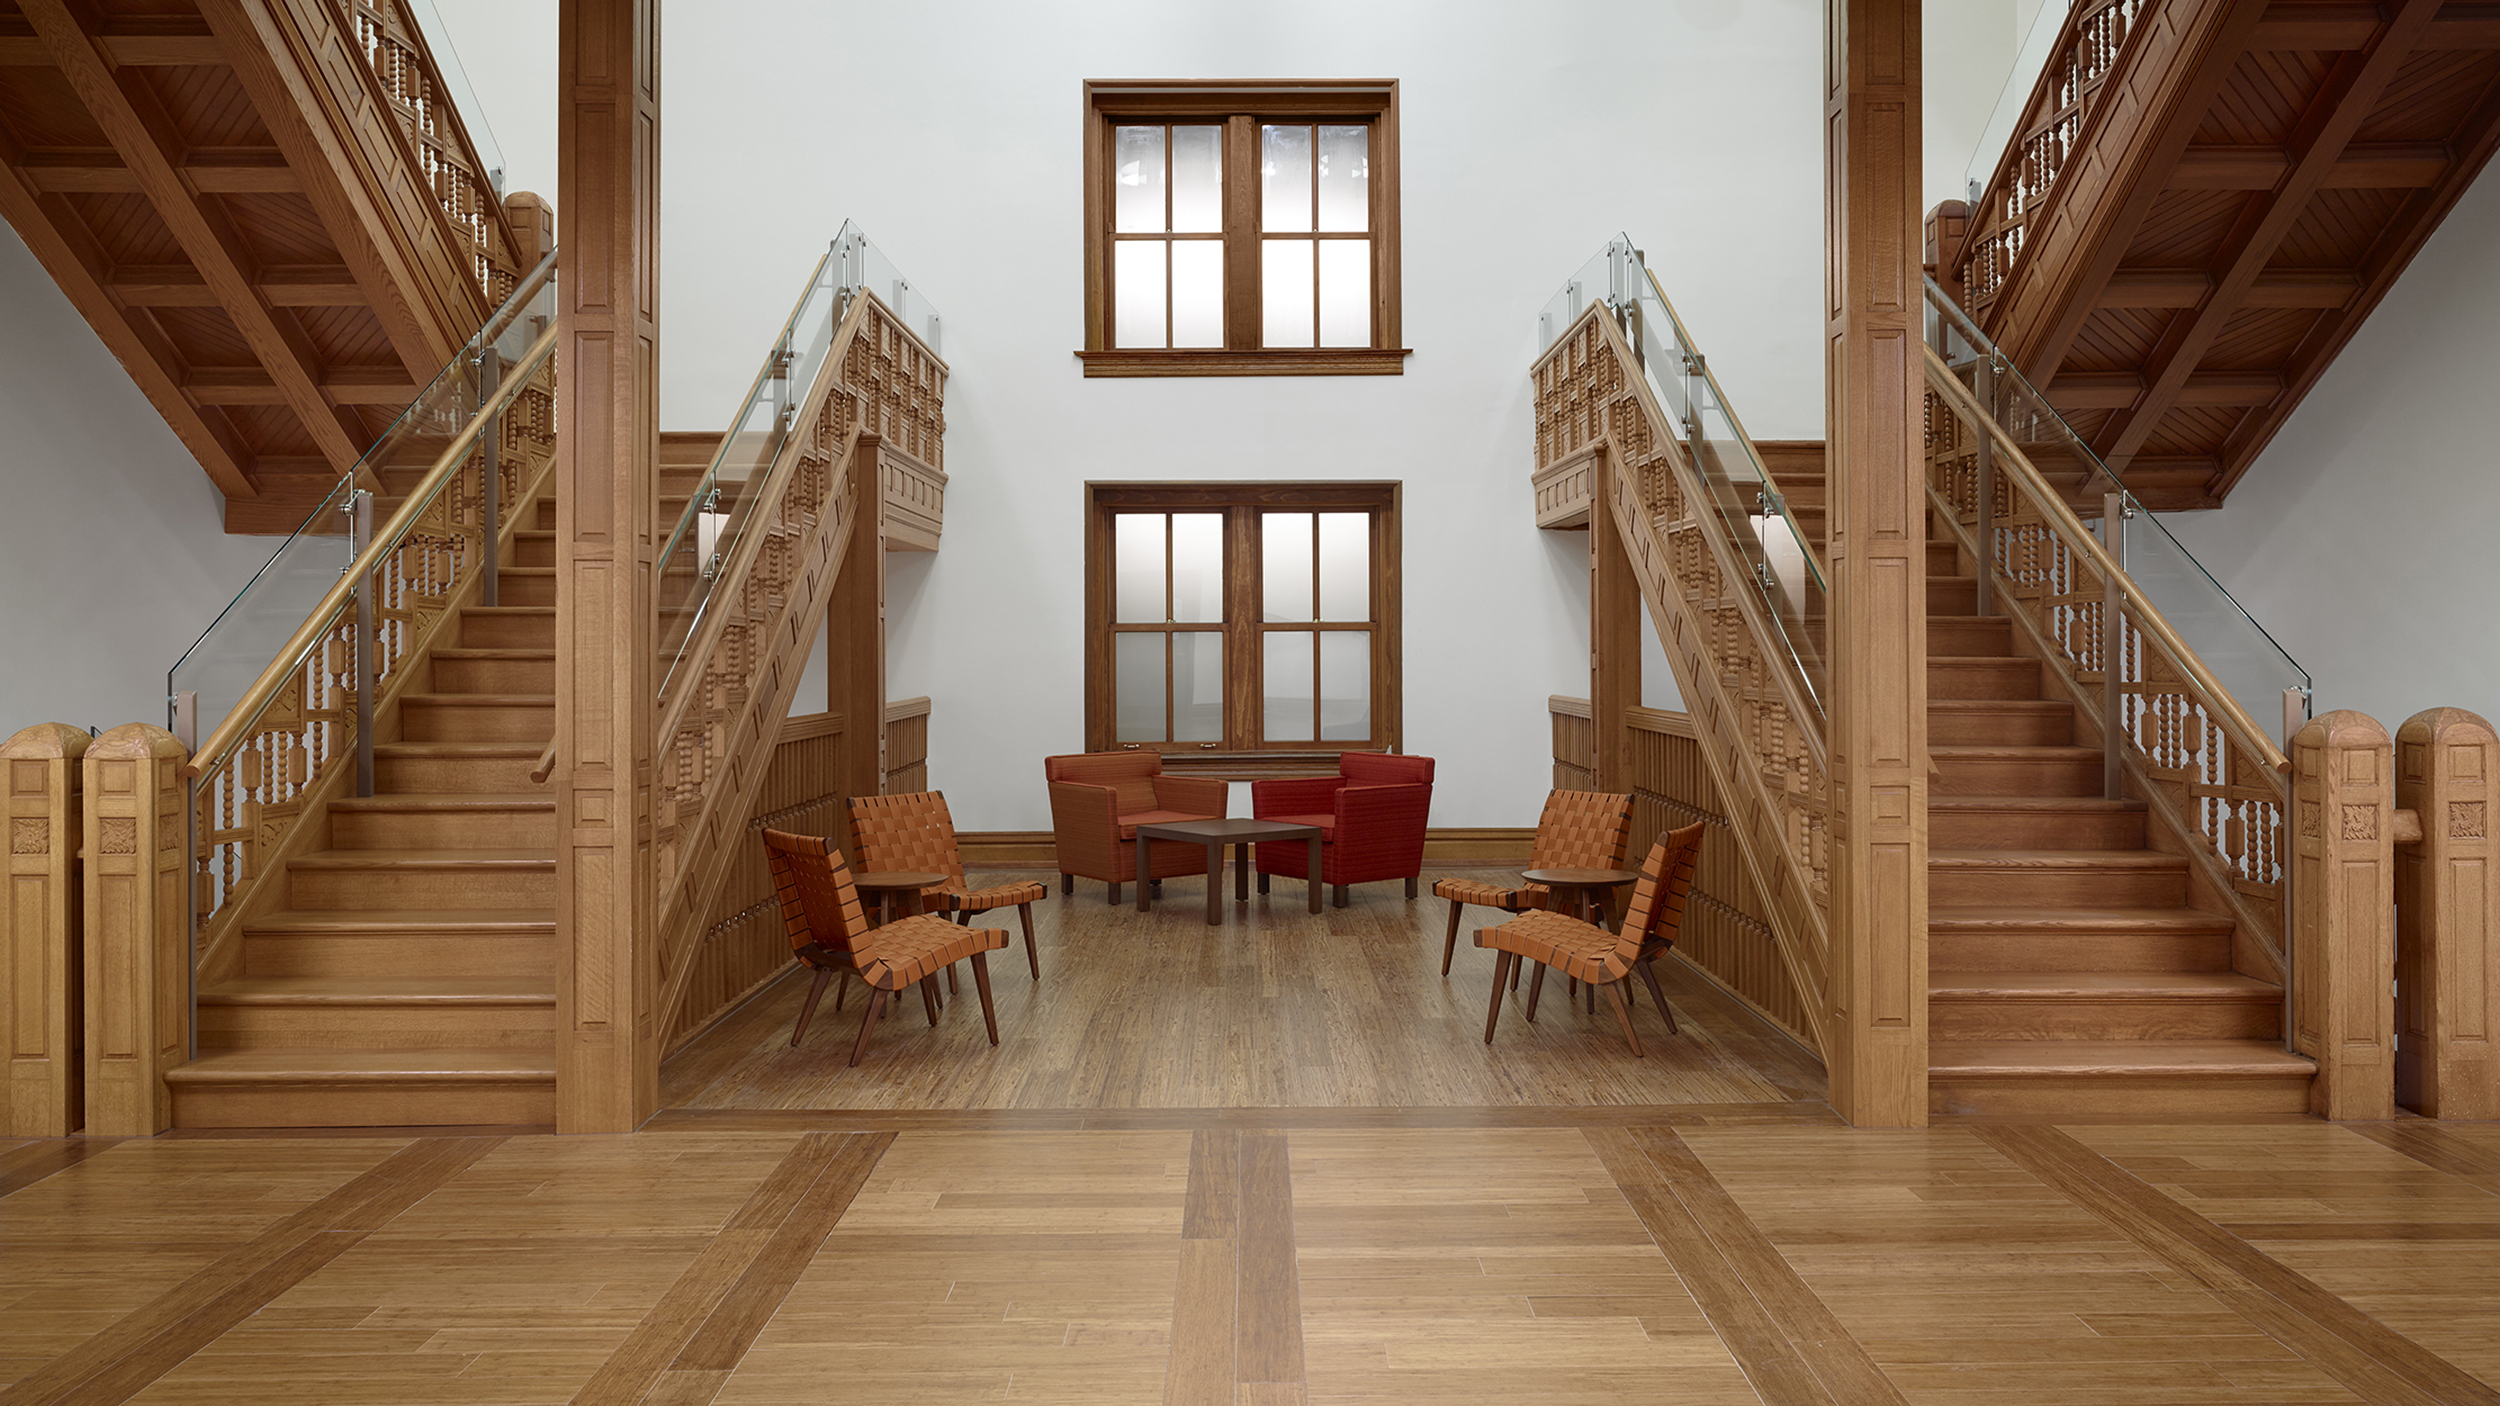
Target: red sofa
1370	815
1097	801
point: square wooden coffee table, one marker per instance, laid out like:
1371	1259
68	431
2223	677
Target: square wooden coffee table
1215	834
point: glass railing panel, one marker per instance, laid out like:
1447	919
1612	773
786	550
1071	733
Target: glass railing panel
2015	99
455	80
1599	280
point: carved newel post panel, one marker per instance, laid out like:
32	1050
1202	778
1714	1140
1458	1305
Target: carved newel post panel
138	947
2447	907
40	960
2343	890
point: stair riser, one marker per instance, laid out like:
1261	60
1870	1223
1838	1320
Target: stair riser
2014	727
546	516
533	551
399	955
461	775
2022	829
2164	1099
1943	559
1952	597
445	829
2056	888
357	1105
513	589
364	890
412	1027
2069	951
1970	634
495	676
474	722
1993	678
2151	1019
2046	775
486	629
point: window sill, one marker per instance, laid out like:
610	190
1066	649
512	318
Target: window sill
1334	361
1255	766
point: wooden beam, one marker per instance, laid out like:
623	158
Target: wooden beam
854	627
344	385
2374	166
1614	644
125	51
2301	24
284	285
2185	287
2115	390
102	171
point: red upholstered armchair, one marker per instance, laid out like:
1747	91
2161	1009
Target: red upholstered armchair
1370	817
1097	801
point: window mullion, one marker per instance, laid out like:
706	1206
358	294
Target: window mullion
1241	233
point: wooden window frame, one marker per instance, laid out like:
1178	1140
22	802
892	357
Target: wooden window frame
1242	753
1241	108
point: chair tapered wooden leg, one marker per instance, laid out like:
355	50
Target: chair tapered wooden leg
867	1022
928	996
1341	895
1115	895
981	983
1067	883
1593	997
1614	997
1649	977
815	989
1032	954
1536	984
841	993
1502	962
1410	888
1514	976
1449	945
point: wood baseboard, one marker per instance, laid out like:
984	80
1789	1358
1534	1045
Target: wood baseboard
1034	849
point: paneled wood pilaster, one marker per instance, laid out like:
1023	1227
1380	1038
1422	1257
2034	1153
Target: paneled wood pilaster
1614	647
607	208
1878	715
855	633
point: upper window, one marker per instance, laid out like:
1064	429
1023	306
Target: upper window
1241	229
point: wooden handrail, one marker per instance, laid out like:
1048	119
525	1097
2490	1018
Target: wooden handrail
2080	540
248	708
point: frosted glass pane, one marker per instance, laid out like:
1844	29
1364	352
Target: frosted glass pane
1198	180
1345	685
1138	695
1198	567
1345	196
1137	568
1289	714
1345	566
1198	687
1137	293
1285	179
1285	278
1285	565
1345	292
1137	180
1197	293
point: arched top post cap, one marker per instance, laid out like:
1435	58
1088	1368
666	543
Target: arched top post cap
2341	728
135	742
46	742
2450	726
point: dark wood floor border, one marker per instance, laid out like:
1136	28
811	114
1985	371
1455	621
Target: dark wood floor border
2370	1359
2434	1146
1803	1112
118	1363
22	1167
1786	1338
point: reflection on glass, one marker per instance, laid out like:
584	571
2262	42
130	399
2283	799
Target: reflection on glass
1344	178
1137	568
1197	293
1198	686
1197	567
1285	292
1345	685
1137	179
1345	566
1197	180
1285	180
1289	688
1285	566
1138	687
1345	292
1137	293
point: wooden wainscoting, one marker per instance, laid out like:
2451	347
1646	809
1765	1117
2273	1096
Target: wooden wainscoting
906	746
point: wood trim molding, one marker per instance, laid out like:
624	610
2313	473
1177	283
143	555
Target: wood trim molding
1216	361
1463	844
902	708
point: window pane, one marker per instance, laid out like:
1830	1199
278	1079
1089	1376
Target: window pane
1285	179
1137	292
1285	565
1198	686
1345	293
1137	180
1285	277
1198	180
1345	566
1345	681
1138	699
1345	178
1289	687
1198	567
1197	293
1137	568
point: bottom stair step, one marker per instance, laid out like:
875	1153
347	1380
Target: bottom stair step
329	1088
2154	1078
2102	1005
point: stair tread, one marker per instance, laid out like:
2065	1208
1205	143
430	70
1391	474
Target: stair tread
1973	751
2207	1059
2054	859
1973	705
325	1065
2012	916
380	991
395	920
494	700
428	859
448	651
1954	985
531	750
2063	804
448	800
546	610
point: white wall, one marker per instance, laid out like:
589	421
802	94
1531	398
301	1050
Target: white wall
2362	536
113	553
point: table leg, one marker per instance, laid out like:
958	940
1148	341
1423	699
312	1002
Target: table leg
1241	873
1144	884
1215	883
1313	871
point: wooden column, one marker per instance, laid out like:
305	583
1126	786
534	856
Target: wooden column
855	633
1878	555
138	944
607	207
2344	933
1614	643
2447	909
40	957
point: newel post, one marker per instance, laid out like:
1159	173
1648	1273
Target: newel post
138	936
2447	902
2344	945
41	1017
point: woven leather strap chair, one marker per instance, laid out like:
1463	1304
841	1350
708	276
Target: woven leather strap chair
1579	830
1097	801
829	931
913	833
1370	817
1590	953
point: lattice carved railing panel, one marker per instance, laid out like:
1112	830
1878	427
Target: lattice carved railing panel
447	166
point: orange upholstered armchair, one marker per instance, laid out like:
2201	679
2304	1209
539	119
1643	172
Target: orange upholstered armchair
1370	816
829	930
1097	801
1579	830
1587	952
913	833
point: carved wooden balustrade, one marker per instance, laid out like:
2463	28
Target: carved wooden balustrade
411	83
1760	736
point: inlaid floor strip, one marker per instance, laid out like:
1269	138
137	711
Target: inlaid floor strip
2461	1155
27	1163
1808	1113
